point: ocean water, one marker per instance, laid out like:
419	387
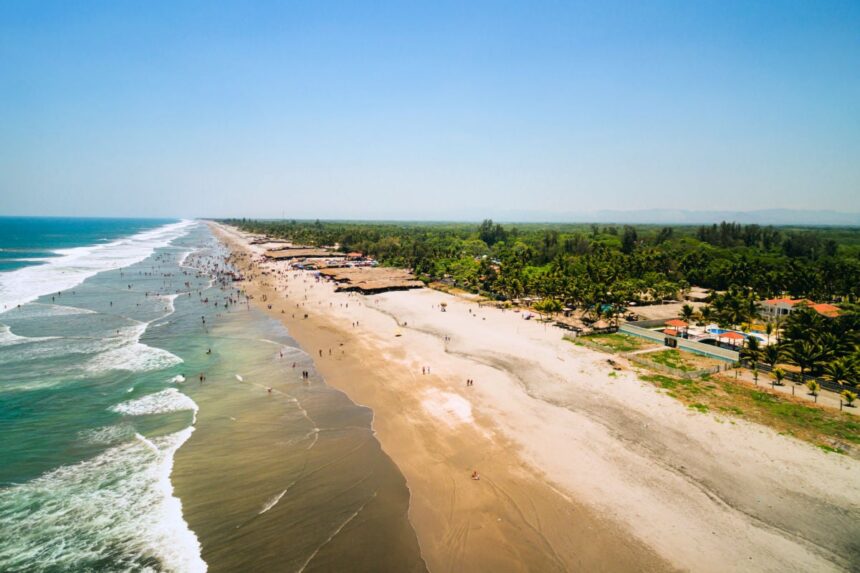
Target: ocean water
152	420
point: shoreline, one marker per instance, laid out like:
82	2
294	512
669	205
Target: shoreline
512	519
274	457
577	472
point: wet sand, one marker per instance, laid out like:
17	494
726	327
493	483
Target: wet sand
287	479
580	470
511	519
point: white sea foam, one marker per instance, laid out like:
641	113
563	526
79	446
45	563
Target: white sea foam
336	532
118	507
107	435
9	338
184	258
239	378
169	400
171	303
75	265
178	379
272	502
125	352
40	310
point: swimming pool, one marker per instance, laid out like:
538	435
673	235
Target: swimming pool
718	331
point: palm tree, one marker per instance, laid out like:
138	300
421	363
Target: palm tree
768	328
771	355
750	310
687	312
838	371
751	351
779	375
814	387
849	397
805	354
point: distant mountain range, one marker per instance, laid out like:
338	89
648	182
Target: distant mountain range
683	217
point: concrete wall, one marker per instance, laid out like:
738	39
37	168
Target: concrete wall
683	343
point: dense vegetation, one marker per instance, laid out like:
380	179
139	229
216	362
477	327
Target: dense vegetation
601	268
591	264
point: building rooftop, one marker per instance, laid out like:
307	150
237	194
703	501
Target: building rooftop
822	308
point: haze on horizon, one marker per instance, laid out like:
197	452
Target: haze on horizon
441	110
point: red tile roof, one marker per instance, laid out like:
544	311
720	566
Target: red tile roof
826	309
676	322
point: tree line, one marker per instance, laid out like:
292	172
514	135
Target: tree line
602	268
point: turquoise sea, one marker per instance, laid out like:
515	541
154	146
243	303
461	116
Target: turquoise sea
153	420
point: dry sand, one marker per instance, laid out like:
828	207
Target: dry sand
579	470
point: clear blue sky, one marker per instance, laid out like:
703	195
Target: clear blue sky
354	109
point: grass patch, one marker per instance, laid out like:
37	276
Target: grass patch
671	358
617	342
732	410
662	381
689	387
786	415
830	449
613	374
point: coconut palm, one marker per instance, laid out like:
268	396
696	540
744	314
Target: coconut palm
779	375
705	312
751	350
838	371
771	355
687	312
805	354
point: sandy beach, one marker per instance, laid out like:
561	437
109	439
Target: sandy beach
579	470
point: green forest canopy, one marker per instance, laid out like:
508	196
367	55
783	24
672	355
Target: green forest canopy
583	264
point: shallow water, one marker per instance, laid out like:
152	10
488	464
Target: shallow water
117	457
